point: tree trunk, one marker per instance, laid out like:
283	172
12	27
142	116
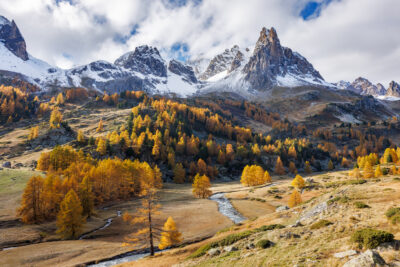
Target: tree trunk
151	233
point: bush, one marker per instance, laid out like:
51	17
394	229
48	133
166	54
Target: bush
200	251
393	215
361	205
264	243
230	239
320	224
269	227
338	199
371	238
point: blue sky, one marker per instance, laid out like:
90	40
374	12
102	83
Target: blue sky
341	40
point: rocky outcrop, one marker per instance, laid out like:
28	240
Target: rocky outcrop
364	87
369	258
229	60
145	59
393	89
12	38
270	60
185	71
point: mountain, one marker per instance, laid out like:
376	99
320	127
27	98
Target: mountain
393	89
250	74
274	65
363	86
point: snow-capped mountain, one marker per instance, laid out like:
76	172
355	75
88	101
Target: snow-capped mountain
393	90
363	86
243	71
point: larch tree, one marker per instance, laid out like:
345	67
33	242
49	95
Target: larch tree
32	204
330	165
201	186
368	172
33	133
55	119
170	235
60	99
69	219
80	138
279	169
267	177
294	199
307	168
298	182
356	173
201	167
179	174
378	171
86	197
101	146
292	168
151	183
100	126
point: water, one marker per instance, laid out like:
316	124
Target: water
120	260
107	224
225	208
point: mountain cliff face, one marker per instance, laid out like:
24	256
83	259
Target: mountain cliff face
12	38
363	86
393	89
272	64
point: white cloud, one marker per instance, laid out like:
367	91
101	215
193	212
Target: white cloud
350	38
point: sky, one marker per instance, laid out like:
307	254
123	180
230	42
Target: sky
343	39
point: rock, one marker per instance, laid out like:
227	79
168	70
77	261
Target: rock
281	208
250	246
296	224
230	248
6	164
393	89
271	61
344	254
394	245
12	39
186	72
18	165
310	180
213	252
289	235
315	211
369	258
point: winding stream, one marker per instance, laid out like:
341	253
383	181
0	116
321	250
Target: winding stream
225	208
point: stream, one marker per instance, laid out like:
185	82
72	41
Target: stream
107	224
224	207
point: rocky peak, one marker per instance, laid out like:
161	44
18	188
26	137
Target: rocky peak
270	61
183	70
145	59
364	87
393	89
222	62
12	38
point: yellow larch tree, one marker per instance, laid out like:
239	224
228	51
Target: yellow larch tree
33	133
32	205
101	146
170	235
294	199
55	119
60	99
69	219
179	174
368	172
378	171
201	186
298	182
100	126
279	169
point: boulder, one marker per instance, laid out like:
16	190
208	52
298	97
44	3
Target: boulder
289	235
213	252
281	208
344	254
369	258
230	248
6	164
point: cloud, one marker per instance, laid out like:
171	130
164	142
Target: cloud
343	39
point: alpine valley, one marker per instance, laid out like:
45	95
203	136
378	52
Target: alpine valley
248	158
